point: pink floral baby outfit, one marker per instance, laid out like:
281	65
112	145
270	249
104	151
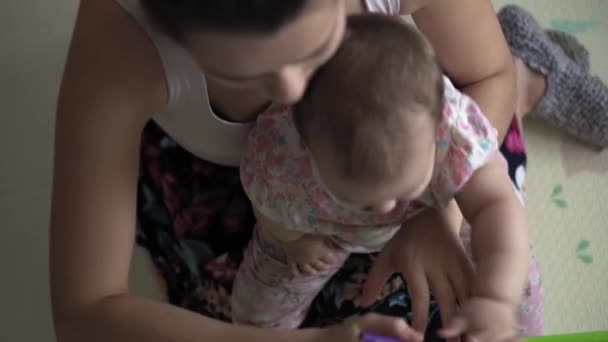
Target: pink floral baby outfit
279	178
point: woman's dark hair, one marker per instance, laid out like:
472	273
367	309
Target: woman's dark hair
179	17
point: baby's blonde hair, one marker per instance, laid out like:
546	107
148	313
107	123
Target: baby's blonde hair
384	74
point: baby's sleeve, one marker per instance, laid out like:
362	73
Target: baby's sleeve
465	142
271	167
260	163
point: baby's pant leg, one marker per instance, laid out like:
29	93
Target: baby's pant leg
530	313
265	294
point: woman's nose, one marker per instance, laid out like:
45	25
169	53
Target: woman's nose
289	85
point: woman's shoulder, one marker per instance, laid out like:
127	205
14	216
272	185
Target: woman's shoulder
114	63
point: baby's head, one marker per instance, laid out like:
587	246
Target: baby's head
370	115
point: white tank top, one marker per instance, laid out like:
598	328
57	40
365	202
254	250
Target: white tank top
188	118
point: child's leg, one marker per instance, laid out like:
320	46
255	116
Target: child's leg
265	293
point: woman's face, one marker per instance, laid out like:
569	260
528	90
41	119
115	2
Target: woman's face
281	63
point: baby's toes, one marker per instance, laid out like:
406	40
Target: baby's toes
309	269
321	266
330	258
294	269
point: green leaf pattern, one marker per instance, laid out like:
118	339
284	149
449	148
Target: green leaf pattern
556	197
582	252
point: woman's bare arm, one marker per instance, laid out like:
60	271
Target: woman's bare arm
112	83
473	52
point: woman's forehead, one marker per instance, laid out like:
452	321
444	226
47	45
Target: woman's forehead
249	55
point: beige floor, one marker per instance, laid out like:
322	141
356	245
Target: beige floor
33	40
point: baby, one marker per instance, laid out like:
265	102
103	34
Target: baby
380	135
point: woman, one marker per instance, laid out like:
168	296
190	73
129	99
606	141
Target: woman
123	69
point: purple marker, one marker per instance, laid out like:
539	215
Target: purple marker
371	337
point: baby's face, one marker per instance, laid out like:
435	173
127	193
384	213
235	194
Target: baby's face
376	195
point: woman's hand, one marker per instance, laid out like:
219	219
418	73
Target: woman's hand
429	255
351	330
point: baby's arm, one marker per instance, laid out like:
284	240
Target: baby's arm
499	234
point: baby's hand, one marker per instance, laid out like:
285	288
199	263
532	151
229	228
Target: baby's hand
312	255
483	319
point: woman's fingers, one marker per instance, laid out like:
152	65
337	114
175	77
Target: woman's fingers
460	278
444	294
418	288
388	326
378	275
